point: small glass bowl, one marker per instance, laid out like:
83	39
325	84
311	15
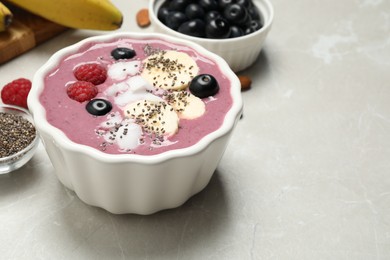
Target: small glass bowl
17	160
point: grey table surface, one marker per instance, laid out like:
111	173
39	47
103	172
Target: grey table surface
305	176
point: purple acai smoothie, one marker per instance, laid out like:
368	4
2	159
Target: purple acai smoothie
148	102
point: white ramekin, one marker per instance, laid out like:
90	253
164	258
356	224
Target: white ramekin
240	52
133	183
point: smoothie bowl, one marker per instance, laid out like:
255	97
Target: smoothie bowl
135	123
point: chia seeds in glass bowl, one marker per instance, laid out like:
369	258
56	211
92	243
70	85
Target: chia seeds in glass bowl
18	138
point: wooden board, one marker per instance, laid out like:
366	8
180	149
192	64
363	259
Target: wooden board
26	31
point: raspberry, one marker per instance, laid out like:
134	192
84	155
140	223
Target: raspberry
82	91
91	72
16	92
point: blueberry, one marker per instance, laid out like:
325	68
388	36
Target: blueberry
222	4
194	28
236	14
245	3
194	11
175	19
249	30
98	107
218	29
179	5
212	15
162	14
255	24
235	31
209	5
204	85
122	53
166	3
254	13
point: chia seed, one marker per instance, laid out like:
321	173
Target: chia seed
16	133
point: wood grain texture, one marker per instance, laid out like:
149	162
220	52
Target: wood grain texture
26	31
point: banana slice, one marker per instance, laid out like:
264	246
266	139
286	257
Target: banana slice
186	105
169	70
156	117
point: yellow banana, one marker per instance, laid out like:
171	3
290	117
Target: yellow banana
5	17
79	14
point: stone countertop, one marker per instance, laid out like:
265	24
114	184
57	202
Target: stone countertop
305	176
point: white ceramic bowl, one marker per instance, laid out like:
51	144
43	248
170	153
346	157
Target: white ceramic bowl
17	160
239	53
128	183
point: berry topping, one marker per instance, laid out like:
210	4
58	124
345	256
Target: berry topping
221	18
255	25
123	53
175	19
218	29
236	14
16	92
246	4
212	15
98	107
179	5
194	11
82	91
91	72
236	31
254	13
194	28
224	3
204	85
209	5
162	14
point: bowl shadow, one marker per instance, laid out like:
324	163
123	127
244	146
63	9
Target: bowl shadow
260	67
174	231
19	180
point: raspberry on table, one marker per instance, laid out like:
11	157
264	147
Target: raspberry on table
82	91
16	92
91	72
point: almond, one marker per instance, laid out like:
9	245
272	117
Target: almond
245	81
142	18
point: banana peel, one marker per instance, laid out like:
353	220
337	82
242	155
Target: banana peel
31	22
77	14
25	32
6	17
